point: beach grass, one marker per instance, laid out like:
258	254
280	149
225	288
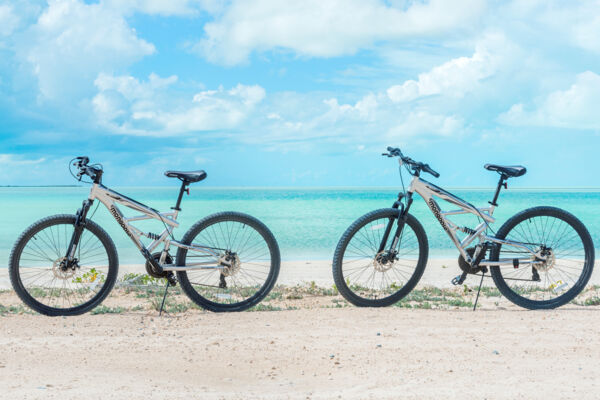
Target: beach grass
146	294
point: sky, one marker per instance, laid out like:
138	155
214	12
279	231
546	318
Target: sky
300	93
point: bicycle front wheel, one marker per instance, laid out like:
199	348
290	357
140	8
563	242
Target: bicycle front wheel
245	269
41	278
565	264
368	277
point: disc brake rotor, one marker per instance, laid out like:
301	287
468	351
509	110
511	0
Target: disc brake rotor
60	272
382	262
231	264
548	259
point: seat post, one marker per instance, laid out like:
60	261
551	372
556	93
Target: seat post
183	188
501	183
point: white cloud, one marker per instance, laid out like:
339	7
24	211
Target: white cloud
16	168
363	109
72	42
552	23
458	76
9	161
373	119
126	105
326	28
423	123
575	107
160	7
8	20
586	33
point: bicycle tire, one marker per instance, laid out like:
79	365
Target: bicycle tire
511	226
203	300
16	272
345	288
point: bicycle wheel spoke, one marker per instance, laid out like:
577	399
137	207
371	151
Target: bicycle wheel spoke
372	275
245	258
49	281
562	264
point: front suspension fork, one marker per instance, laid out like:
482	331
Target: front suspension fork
80	222
402	216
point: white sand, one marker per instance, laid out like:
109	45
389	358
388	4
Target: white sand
498	352
347	353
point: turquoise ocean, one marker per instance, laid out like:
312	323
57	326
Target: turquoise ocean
307	222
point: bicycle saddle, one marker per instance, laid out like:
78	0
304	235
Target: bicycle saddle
187	176
510	171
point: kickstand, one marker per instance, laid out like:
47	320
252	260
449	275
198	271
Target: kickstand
478	290
164	298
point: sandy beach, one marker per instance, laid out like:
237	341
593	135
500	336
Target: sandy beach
304	342
304	354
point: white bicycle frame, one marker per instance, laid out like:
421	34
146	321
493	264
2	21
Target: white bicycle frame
428	191
109	198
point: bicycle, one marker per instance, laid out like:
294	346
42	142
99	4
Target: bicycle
540	258
68	264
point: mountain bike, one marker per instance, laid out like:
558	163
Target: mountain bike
541	258
68	264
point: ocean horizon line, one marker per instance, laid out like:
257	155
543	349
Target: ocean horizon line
197	187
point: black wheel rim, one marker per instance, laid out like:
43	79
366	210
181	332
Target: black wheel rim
45	281
566	259
251	259
367	272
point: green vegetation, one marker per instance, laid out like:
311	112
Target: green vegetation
102	309
141	279
91	276
18	309
139	293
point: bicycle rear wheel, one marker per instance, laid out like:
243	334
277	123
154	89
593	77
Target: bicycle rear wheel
45	283
569	258
367	277
246	245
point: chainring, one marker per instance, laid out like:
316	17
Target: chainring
468	268
153	272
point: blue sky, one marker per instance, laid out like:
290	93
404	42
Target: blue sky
288	93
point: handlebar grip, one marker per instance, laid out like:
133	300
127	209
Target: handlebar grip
428	169
81	161
394	151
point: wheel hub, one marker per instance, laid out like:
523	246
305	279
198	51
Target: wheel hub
383	261
61	270
231	264
546	258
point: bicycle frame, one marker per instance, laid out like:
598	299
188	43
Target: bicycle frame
109	198
428	191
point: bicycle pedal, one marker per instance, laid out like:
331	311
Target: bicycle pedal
459	279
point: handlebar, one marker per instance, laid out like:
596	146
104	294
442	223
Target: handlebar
416	166
93	171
